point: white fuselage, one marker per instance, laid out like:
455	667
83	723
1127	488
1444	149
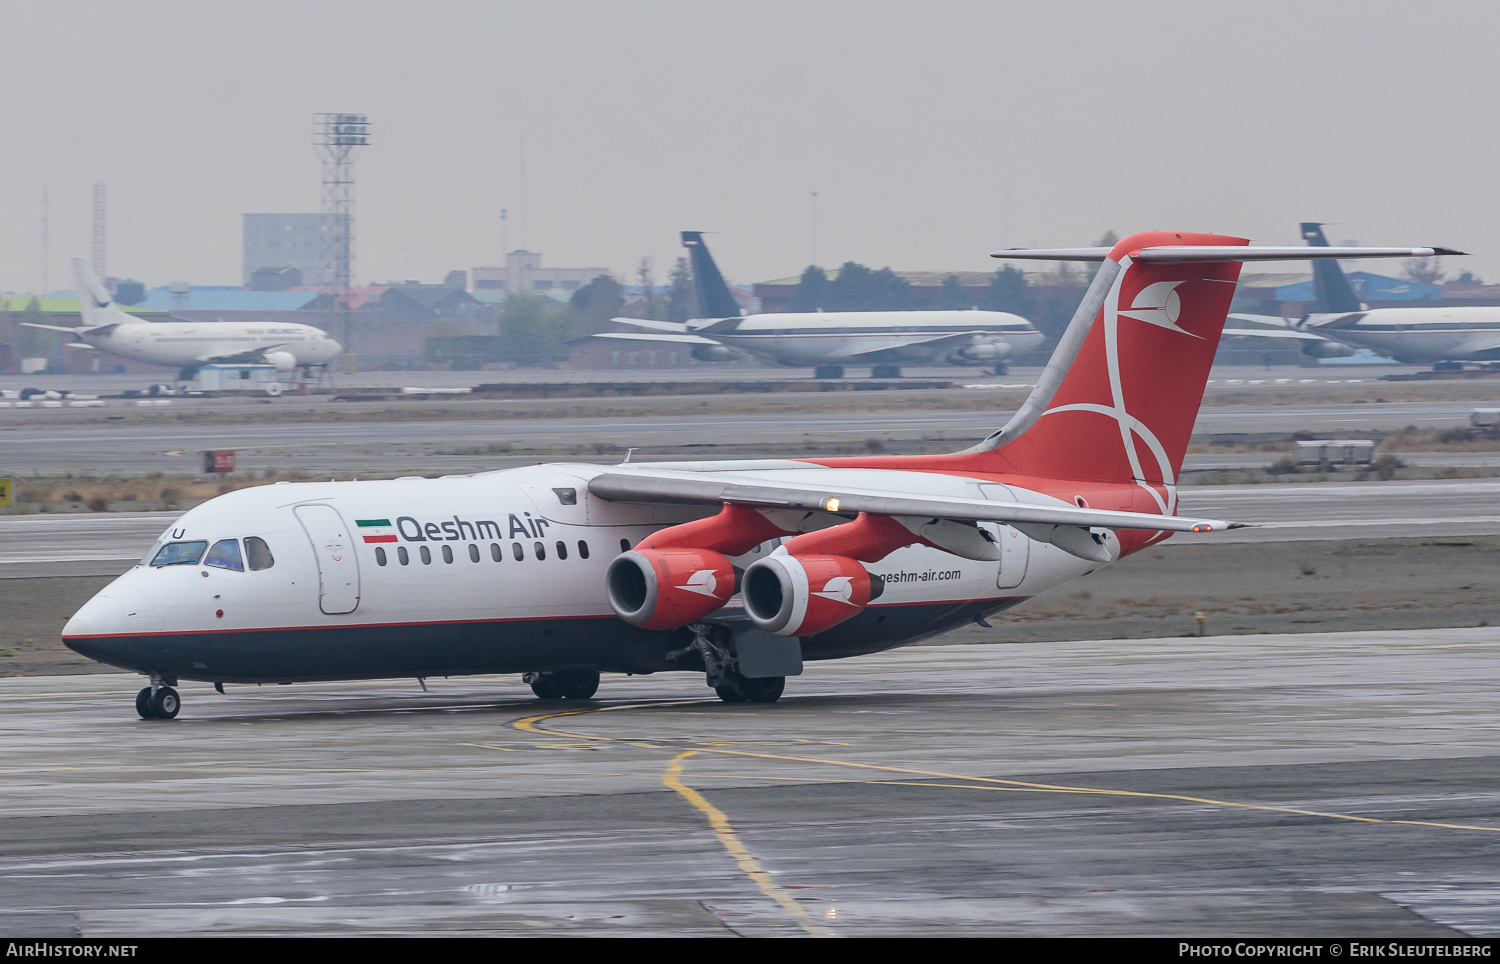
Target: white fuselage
808	338
487	573
1459	333
181	343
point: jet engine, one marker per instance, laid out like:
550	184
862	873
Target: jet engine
714	353
284	361
981	353
1326	349
802	595
668	588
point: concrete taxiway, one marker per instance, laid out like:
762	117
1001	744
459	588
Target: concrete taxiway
1339	784
350	444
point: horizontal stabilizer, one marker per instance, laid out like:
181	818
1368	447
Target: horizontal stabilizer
1174	253
74	330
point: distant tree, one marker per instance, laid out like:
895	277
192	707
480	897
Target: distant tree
1007	292
682	298
1425	271
1054	307
812	290
889	291
850	288
952	295
535	329
1469	278
33	342
645	278
597	302
857	288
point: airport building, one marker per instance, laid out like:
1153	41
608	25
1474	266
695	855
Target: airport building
523	273
283	251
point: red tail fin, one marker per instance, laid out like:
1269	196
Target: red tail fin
1127	406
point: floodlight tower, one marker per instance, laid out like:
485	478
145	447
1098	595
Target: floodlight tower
336	137
99	271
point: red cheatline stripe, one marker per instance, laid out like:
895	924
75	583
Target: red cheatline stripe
380	538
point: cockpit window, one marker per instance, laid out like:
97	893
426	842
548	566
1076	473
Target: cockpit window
225	555
180	553
258	553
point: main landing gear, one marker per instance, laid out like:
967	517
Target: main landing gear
828	371
158	701
885	371
565	684
723	670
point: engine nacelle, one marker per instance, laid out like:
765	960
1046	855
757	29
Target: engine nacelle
284	361
1326	349
668	588
983	353
714	353
802	595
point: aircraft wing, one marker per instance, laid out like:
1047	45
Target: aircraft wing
626	484
653	324
908	341
255	356
682	338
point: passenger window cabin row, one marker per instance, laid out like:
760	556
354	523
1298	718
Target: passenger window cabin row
517	550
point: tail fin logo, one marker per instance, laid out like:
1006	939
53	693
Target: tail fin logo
1159	304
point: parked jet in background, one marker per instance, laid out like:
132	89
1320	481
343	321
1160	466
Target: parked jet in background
1340	325
190	344
829	340
739	570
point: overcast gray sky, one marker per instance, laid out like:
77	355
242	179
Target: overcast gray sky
914	122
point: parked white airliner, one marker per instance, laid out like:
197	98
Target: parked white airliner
1444	335
739	570
828	340
189	344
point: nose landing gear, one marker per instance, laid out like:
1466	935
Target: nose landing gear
159	701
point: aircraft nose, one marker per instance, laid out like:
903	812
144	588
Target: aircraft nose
100	616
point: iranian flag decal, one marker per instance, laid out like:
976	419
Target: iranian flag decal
376	530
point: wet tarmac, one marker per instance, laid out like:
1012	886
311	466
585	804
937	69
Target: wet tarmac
1333	784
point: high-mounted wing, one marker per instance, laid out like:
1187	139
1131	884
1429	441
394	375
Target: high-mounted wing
705	488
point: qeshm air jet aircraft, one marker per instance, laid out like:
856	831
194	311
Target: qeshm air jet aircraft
739	570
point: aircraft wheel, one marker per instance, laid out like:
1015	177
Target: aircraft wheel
1001	368
576	684
164	703
143	704
545	686
829	371
763	689
730	692
886	371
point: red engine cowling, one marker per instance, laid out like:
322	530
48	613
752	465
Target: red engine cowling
802	595
668	588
